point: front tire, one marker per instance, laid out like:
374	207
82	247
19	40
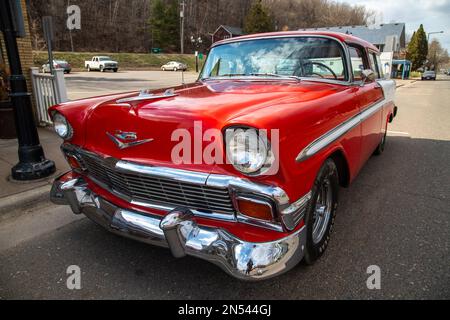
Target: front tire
321	212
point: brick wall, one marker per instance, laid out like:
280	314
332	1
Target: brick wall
25	49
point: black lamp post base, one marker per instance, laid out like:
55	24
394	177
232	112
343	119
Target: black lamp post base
33	170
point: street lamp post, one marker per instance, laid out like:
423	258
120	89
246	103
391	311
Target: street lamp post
32	162
196	42
434	32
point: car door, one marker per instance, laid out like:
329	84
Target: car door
369	95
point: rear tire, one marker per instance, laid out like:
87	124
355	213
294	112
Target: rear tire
380	149
89	68
175	69
321	211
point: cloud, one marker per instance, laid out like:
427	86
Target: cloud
433	14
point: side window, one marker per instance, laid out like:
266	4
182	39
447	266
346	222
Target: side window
374	64
380	66
356	56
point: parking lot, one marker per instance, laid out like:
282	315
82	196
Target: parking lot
88	84
395	215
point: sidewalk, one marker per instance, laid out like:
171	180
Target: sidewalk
13	193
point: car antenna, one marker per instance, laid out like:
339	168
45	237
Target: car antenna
182	77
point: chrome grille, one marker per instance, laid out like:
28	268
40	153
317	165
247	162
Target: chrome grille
154	189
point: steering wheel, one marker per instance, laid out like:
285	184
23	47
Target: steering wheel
321	65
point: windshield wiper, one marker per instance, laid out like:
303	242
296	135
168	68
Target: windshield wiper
267	74
276	75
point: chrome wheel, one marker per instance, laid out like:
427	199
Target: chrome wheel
322	212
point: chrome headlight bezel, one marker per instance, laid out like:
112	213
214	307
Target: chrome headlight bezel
62	127
248	150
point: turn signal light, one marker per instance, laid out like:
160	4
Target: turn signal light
255	209
73	162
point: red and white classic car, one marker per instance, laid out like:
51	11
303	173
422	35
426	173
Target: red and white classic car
241	168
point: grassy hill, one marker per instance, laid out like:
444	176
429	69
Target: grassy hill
128	61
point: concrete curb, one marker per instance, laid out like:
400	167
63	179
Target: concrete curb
22	199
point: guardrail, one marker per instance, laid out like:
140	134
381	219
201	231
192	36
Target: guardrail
48	90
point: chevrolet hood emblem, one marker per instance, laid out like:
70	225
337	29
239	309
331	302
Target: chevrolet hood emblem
124	140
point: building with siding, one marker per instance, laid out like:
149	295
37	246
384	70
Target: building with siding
226	32
388	37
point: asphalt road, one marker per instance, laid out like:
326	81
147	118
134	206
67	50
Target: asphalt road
88	84
395	215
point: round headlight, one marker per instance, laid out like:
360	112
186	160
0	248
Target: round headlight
247	150
62	127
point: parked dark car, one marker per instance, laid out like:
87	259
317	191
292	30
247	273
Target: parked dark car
429	75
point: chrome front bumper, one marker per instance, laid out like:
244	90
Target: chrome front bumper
179	232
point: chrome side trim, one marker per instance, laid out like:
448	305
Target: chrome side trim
337	132
179	232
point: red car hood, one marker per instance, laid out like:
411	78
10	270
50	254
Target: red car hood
216	104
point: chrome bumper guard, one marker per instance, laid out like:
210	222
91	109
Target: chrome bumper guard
183	236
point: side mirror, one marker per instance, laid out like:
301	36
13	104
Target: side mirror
367	76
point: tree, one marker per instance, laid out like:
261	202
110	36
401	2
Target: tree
418	49
164	25
437	55
258	19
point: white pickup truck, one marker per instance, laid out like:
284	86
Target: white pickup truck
101	63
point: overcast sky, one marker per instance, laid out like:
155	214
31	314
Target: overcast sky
433	14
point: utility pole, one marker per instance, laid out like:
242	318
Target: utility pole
182	25
32	163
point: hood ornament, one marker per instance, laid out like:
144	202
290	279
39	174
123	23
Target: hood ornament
124	140
145	95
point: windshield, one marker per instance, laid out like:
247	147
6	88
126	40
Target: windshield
104	59
311	57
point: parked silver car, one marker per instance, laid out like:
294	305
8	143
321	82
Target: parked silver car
174	66
429	75
57	64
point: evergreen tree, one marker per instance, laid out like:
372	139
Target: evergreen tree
164	25
418	49
258	19
422	43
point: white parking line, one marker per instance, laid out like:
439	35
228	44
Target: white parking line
399	132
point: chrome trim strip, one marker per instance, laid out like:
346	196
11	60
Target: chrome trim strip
183	236
292	215
169	173
337	132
